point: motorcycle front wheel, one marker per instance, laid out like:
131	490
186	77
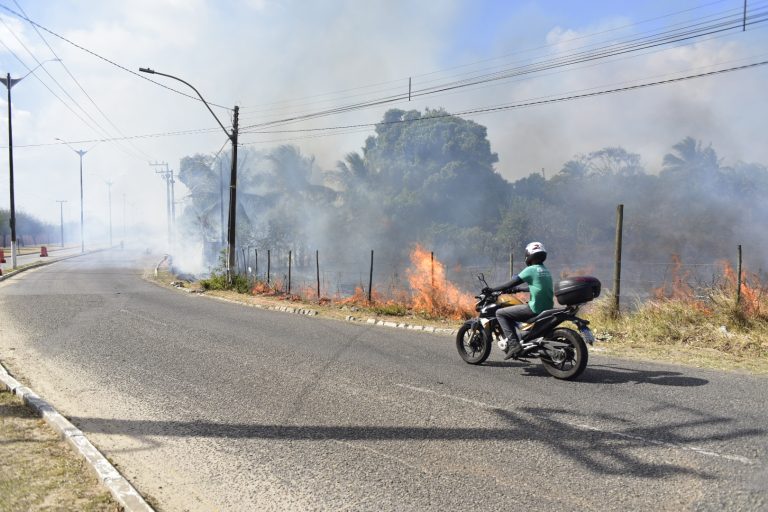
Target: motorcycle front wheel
473	346
572	360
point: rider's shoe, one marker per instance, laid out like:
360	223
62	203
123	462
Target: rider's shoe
513	348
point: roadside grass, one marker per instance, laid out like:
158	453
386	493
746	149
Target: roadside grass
710	332
39	471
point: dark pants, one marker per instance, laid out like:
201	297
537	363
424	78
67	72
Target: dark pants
511	314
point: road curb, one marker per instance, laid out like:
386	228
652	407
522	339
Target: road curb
349	318
313	312
120	488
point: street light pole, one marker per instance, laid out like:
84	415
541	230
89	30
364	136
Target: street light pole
61	213
9	83
109	200
80	153
231	235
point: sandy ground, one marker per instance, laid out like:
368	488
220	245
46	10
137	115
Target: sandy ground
39	471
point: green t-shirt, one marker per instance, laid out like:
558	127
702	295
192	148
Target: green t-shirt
540	284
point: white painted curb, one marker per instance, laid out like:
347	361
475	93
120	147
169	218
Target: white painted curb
122	490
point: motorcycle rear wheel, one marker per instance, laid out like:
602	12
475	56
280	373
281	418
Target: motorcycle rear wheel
576	357
473	346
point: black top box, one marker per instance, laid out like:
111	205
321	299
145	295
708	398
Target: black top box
577	290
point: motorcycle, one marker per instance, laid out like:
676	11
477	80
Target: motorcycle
562	350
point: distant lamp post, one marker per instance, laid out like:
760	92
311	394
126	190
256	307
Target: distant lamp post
9	83
109	200
61	213
80	153
233	176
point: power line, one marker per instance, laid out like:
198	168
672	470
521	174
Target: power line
47	87
361	126
77	82
518	52
524	104
601	53
113	139
91	52
99	128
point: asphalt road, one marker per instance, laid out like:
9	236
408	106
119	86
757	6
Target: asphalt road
208	405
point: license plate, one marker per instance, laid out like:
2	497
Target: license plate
587	335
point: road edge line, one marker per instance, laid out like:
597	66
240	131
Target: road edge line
119	487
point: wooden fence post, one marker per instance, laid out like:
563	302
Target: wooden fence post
370	280
269	263
289	272
432	268
738	278
317	266
256	263
617	261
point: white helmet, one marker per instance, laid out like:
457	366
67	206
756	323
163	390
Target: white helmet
534	248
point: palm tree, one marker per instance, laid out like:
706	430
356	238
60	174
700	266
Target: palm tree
353	172
691	157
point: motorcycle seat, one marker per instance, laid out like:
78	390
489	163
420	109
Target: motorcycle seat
545	314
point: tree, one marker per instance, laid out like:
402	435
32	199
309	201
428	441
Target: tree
690	156
434	168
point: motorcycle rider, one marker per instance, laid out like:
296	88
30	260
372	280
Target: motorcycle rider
539	282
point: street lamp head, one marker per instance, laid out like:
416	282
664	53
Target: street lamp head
147	70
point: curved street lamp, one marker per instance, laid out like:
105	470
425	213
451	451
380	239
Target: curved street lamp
9	83
233	176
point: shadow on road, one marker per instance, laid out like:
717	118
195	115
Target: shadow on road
609	374
618	450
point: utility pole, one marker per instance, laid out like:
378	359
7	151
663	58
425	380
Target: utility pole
9	83
221	205
167	175
231	235
173	209
61	214
109	201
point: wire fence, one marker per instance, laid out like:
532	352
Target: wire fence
398	279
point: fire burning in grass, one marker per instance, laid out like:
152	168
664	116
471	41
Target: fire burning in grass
753	290
433	294
677	286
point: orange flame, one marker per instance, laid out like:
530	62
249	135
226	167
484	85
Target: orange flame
262	288
751	294
677	286
360	297
433	294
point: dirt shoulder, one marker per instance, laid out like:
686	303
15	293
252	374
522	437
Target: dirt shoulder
39	471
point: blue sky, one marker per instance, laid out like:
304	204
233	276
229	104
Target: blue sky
274	57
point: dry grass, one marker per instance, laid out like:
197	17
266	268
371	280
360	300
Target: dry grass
38	471
712	332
